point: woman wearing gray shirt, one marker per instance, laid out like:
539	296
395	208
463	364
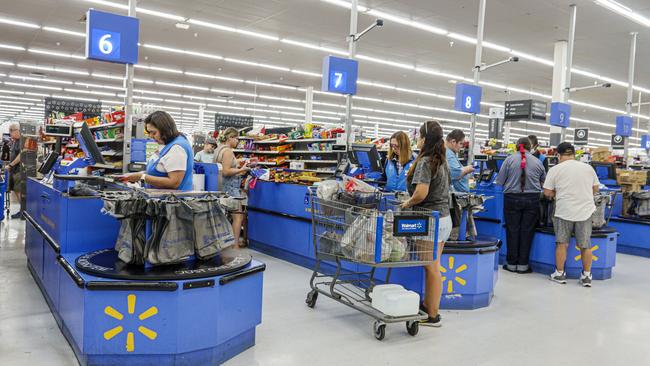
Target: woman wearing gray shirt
522	176
428	183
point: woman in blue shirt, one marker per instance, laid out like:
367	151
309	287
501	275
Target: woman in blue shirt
398	162
173	165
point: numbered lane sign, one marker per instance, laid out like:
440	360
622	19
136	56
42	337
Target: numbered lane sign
645	142
624	126
468	98
112	37
560	114
340	75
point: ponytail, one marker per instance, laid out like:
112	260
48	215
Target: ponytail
523	145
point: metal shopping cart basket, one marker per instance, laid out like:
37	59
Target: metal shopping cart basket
375	234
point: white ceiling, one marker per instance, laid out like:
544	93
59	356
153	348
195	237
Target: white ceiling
530	26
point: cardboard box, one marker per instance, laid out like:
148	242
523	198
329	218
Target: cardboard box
600	154
632	177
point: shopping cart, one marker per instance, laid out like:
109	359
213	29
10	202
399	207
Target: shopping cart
367	230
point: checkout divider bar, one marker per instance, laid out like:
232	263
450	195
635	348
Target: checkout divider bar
55	246
71	272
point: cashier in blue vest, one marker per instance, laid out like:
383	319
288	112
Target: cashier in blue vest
172	166
398	162
459	173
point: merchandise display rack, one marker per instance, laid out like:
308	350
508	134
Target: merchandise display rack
309	154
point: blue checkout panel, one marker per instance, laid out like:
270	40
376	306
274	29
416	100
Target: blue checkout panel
279	224
119	322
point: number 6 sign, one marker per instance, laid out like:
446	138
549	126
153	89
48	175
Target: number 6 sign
112	37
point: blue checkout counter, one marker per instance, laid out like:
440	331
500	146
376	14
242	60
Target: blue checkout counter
114	314
279	224
542	256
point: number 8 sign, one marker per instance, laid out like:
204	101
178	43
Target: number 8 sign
468	98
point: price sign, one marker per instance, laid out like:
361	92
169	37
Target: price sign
468	98
58	108
581	136
223	121
618	142
340	75
112	37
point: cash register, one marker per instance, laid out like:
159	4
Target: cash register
365	162
58	170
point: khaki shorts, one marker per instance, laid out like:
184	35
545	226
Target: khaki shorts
564	229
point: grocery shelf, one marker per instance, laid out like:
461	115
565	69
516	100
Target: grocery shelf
106	125
315	161
312	152
258	152
292	141
108	140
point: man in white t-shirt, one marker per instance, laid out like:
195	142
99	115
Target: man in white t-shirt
573	184
207	154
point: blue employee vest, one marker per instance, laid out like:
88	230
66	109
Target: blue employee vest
394	181
186	183
542	157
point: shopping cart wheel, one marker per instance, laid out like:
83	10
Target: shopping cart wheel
312	296
412	327
380	330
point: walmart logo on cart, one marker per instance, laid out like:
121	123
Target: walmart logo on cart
412	226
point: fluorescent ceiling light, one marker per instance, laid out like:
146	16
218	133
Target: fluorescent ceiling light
163	69
58	54
11	47
306	73
175	50
53	69
109	4
244	62
46	80
19	23
624	11
386	62
64	31
345	4
7	63
32	86
160	14
107	76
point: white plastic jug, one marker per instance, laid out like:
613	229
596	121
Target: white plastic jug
395	301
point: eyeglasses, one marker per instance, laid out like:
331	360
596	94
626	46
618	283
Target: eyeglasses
394	146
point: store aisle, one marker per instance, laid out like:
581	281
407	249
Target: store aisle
531	322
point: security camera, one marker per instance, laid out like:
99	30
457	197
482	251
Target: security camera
514	59
607	85
379	22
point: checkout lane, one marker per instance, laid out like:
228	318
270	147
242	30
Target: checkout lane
112	312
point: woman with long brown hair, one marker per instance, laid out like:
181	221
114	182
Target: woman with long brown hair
398	162
428	182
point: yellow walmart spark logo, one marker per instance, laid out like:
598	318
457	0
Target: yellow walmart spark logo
130	341
592	250
453	272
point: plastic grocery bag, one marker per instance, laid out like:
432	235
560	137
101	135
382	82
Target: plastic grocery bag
327	190
641	204
173	239
598	219
398	246
351	184
212	230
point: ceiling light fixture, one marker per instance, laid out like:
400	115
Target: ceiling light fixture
19	23
64	31
624	11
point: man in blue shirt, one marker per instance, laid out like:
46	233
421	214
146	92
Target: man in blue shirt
459	173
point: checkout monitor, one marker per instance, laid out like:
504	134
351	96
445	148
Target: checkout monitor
87	143
366	156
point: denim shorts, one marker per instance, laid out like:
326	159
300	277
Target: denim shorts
581	229
444	230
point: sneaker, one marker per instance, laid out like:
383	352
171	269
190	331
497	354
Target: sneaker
524	269
559	277
585	280
423	308
510	268
432	322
